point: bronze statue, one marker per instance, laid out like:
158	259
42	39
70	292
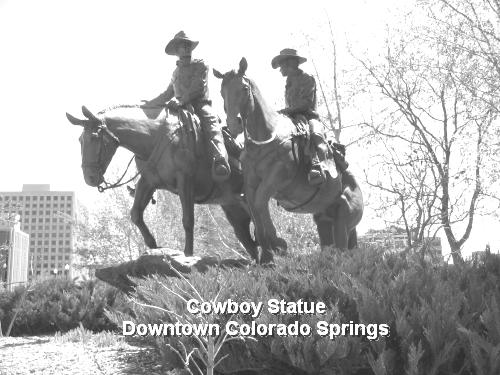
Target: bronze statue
272	168
189	86
300	99
170	154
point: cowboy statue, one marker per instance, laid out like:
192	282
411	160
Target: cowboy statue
300	100
189	86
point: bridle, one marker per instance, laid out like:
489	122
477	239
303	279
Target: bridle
100	131
244	117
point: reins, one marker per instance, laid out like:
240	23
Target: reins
118	183
249	139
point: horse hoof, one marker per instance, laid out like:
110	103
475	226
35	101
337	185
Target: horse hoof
265	257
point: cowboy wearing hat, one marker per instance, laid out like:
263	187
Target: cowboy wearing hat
300	100
189	85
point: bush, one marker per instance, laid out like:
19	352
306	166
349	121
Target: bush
58	305
443	319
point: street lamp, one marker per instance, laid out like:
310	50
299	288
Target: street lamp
55	271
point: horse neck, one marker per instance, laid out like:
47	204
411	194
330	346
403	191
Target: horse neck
262	120
137	136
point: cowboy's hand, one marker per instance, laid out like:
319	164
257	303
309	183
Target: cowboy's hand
284	111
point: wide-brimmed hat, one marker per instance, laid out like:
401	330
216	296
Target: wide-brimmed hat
287	53
178	38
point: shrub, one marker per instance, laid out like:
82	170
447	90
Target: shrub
58	305
443	319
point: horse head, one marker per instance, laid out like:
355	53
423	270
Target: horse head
98	145
237	95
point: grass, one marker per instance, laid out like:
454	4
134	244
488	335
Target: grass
86	337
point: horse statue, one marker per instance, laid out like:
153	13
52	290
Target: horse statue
169	155
272	167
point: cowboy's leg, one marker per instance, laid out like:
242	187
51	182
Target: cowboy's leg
316	174
215	141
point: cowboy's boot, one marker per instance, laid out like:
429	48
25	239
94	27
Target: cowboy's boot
215	142
218	154
220	167
317	174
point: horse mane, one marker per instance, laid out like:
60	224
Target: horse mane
116	106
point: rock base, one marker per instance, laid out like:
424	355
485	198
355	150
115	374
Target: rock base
163	262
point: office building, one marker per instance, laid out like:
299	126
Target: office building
14	248
48	217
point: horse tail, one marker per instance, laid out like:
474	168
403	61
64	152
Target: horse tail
352	241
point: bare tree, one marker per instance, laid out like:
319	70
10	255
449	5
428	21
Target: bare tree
429	110
407	191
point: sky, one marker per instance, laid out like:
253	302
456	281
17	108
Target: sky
59	55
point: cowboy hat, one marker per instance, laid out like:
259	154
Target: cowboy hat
178	38
287	53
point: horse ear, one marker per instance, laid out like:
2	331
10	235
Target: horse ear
243	66
218	74
89	114
76	121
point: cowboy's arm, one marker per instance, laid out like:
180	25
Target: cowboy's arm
305	96
199	84
164	97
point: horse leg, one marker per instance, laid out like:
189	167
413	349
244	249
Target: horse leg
263	194
264	255
352	242
143	193
324	226
340	232
186	194
239	218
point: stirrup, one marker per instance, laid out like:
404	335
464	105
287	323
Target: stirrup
220	170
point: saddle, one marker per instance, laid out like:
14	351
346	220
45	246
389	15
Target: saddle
304	148
190	123
190	134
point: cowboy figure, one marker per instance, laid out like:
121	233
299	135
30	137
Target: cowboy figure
189	86
300	100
